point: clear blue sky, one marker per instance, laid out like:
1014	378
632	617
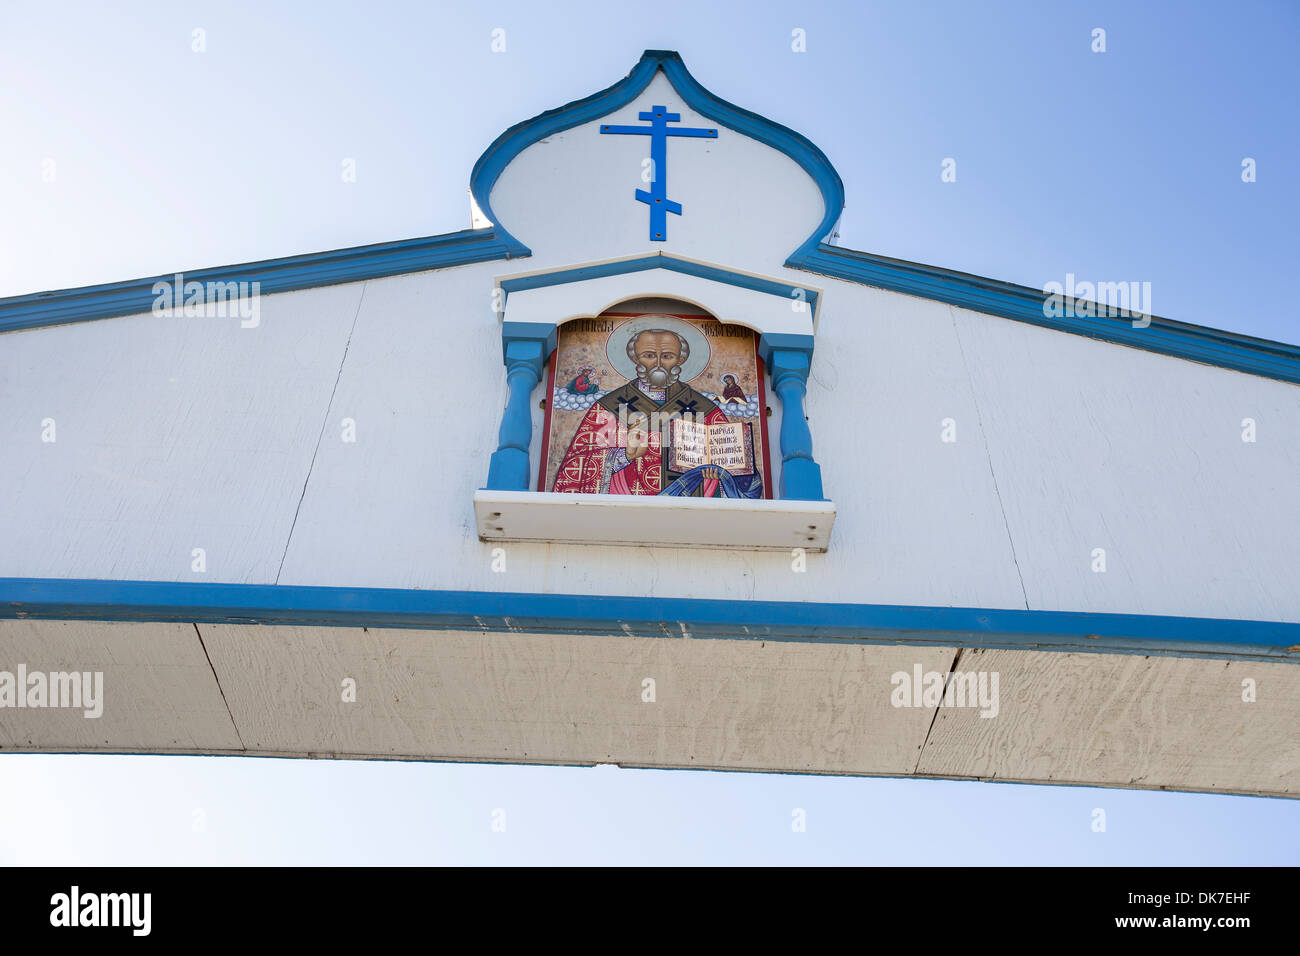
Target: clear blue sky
1117	166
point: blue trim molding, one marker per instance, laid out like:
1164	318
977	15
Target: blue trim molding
272	275
1242	353
782	138
787	291
97	600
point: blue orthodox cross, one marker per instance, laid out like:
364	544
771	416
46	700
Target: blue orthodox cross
658	131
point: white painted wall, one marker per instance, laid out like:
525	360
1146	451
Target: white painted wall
1099	446
182	433
175	434
171	434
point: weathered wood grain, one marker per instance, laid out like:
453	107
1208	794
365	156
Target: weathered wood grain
566	699
1125	720
159	691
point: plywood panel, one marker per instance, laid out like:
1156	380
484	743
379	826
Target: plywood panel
1125	720
565	699
919	518
1100	446
159	693
424	387
171	434
1063	718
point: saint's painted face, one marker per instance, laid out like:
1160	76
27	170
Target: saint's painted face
658	355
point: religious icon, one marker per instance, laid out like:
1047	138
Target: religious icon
682	416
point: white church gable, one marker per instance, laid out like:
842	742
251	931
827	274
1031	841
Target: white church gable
421	464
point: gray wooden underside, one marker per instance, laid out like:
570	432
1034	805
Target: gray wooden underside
1063	718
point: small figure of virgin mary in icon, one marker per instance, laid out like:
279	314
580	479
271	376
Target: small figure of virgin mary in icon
732	392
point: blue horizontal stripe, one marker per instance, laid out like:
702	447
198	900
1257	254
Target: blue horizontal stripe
99	600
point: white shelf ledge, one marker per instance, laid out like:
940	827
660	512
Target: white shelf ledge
653	520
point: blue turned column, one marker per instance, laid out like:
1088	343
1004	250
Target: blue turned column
525	347
788	358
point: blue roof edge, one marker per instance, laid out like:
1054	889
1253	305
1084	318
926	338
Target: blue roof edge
1208	346
525	612
355	264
